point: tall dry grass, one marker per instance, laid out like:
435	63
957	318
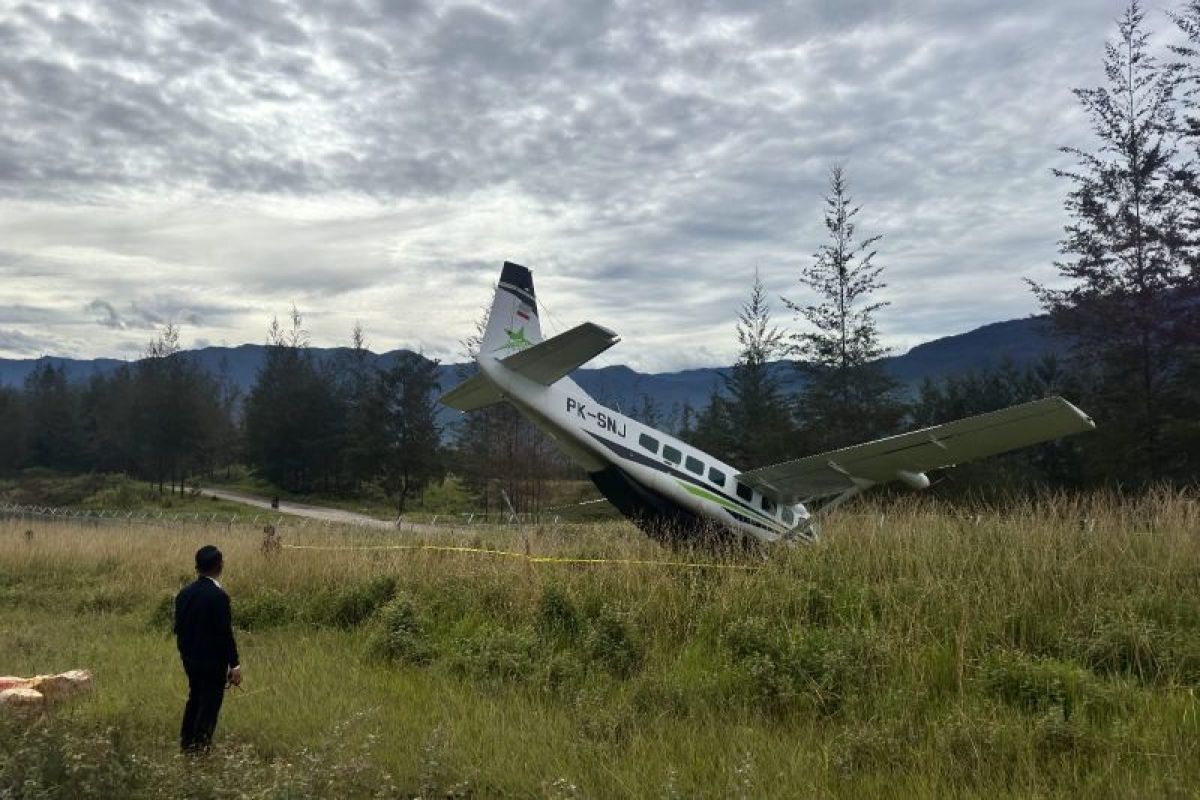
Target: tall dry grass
1051	647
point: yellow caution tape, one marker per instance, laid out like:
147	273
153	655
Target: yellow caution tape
529	558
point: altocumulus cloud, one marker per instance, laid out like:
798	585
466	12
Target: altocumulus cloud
213	164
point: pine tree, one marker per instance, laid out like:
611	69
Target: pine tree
848	396
13	431
55	434
363	451
1185	429
411	456
710	429
757	414
293	420
1126	310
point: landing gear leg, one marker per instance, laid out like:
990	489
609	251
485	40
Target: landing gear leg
809	528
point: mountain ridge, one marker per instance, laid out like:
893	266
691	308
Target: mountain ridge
1021	340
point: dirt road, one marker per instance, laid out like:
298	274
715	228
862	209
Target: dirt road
335	515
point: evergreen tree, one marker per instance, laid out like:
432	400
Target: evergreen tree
109	406
363	453
55	434
176	411
12	429
411	457
1185	427
710	429
648	412
848	396
1127	309
292	417
759	426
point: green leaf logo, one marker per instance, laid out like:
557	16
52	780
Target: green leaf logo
516	340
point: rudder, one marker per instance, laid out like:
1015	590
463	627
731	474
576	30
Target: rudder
513	320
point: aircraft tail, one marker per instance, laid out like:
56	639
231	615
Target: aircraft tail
513	321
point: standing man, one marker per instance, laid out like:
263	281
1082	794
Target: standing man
204	634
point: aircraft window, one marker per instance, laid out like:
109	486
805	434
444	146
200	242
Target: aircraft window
745	492
788	516
768	506
671	454
716	476
648	442
694	465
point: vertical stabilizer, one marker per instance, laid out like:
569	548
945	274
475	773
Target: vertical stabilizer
513	321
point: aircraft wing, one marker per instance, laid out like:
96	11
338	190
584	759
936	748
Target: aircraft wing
548	361
475	392
908	456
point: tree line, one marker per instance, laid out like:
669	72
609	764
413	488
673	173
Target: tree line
333	425
1127	303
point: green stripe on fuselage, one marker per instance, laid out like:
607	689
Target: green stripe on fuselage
707	495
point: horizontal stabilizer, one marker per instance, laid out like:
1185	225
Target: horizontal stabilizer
548	361
475	392
908	456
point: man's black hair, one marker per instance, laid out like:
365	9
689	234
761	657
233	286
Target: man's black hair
208	558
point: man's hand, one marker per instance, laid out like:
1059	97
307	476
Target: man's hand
235	676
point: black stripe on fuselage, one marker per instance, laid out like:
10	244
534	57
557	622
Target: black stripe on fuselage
527	299
638	458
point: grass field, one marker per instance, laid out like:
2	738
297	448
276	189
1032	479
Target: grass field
1052	650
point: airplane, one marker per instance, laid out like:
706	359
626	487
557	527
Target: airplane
674	491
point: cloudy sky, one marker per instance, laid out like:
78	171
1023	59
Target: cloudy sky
376	160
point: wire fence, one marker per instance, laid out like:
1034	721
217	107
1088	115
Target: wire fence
83	516
98	517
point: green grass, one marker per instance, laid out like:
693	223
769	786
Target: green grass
934	654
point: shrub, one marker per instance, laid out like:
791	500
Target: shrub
774	670
353	605
266	609
162	618
495	652
610	643
402	637
557	616
1038	684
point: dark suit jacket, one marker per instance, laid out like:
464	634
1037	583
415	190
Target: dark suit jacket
204	626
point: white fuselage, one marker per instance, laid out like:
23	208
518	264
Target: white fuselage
648	475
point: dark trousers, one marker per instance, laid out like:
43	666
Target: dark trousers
206	690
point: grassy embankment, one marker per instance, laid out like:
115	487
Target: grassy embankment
935	654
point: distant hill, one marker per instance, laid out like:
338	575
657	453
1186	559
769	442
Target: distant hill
1022	340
